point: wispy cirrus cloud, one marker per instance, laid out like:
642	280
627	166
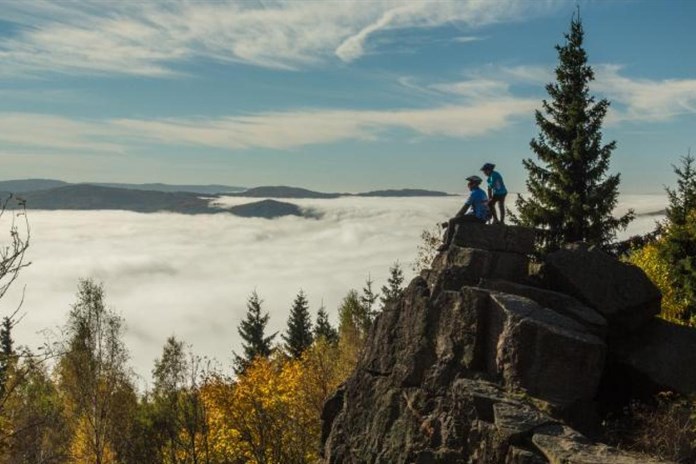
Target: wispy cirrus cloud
284	130
273	130
57	133
633	98
645	99
152	38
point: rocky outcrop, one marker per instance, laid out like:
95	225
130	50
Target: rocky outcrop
541	352
662	354
562	304
483	361
620	292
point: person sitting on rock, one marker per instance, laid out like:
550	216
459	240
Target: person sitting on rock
496	192
480	213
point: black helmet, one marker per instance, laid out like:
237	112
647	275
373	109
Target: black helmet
474	179
488	166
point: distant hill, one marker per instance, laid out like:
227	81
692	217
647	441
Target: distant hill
296	192
661	212
279	191
268	209
282	191
93	197
404	193
28	185
47	194
212	189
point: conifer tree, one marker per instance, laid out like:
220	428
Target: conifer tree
323	328
678	246
253	332
368	299
571	196
394	288
682	200
299	333
6	350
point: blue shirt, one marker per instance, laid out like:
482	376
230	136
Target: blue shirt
495	183
478	201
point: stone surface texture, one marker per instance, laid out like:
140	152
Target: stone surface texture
484	357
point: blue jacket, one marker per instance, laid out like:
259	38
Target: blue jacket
496	184
478	201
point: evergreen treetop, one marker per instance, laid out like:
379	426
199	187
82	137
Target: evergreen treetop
299	333
323	328
682	200
368	299
571	196
6	350
394	288
253	332
678	244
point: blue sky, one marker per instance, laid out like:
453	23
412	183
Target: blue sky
332	95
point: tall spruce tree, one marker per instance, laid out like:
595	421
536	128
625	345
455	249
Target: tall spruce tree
570	195
323	328
682	200
394	288
299	333
253	332
678	246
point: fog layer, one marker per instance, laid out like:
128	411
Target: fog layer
191	275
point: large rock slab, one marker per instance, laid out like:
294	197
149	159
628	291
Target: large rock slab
621	292
512	239
543	353
562	445
459	266
662	353
557	302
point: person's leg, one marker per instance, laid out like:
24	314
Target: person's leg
451	228
449	233
491	207
501	205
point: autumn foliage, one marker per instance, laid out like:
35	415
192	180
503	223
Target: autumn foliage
83	407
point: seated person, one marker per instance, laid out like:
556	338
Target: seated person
478	202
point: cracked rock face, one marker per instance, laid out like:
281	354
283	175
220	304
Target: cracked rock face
476	363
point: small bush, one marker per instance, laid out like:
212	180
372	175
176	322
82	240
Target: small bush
666	428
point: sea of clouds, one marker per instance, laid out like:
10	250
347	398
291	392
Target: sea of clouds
191	275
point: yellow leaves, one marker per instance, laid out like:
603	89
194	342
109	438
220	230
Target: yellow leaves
659	272
87	447
271	413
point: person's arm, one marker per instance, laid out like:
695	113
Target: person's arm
462	212
466	206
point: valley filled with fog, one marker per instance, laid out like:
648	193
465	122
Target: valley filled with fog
190	275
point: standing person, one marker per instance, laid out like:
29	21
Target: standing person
477	201
496	192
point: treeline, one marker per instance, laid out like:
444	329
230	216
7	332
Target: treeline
75	401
